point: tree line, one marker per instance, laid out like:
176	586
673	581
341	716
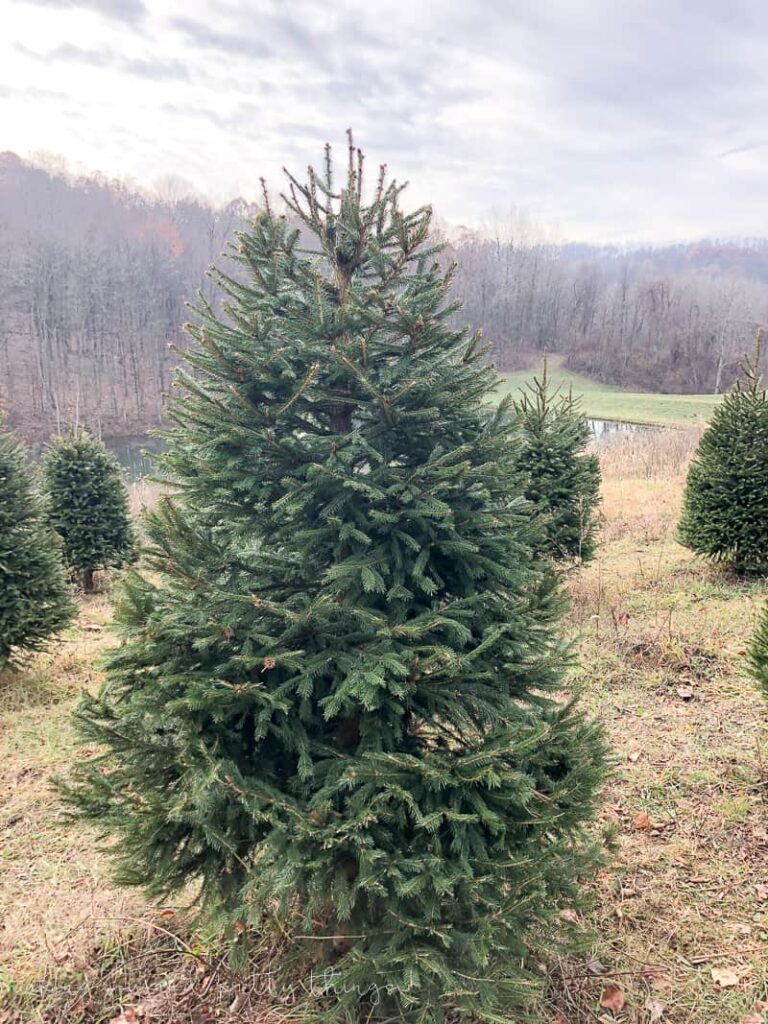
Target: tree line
676	318
94	277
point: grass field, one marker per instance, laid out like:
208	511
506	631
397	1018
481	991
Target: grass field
680	922
604	402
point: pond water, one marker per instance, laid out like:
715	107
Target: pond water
135	454
612	428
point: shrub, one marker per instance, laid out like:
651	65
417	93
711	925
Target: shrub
35	601
87	505
758	653
725	506
562	480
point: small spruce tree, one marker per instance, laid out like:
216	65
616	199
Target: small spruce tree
87	505
340	693
562	479
758	653
725	505
35	601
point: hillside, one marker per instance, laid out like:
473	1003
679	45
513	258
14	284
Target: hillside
606	402
95	277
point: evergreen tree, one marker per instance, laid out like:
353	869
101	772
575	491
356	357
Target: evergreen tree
34	596
758	653
725	506
562	480
339	694
87	505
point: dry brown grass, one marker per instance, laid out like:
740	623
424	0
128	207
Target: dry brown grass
660	639
52	883
661	642
142	494
643	479
647	454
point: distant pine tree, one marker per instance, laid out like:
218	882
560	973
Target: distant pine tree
87	505
562	479
340	694
35	601
725	506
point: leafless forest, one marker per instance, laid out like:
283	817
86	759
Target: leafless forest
673	318
94	278
93	282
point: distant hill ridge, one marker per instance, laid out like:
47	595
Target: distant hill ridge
94	276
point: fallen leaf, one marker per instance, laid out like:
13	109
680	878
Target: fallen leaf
634	756
685	692
612	999
569	915
655	1009
128	1016
641	822
725	977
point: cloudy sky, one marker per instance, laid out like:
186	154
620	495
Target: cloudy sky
643	119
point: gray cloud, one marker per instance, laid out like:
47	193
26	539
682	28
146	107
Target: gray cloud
160	69
11	92
120	10
748	147
610	120
206	38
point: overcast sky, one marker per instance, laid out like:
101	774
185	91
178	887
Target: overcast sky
642	119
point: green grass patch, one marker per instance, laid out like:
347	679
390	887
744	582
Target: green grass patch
606	402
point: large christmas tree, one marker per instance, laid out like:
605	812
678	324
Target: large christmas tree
562	478
340	693
87	504
35	601
725	507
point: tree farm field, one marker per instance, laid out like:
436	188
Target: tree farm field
678	932
607	402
